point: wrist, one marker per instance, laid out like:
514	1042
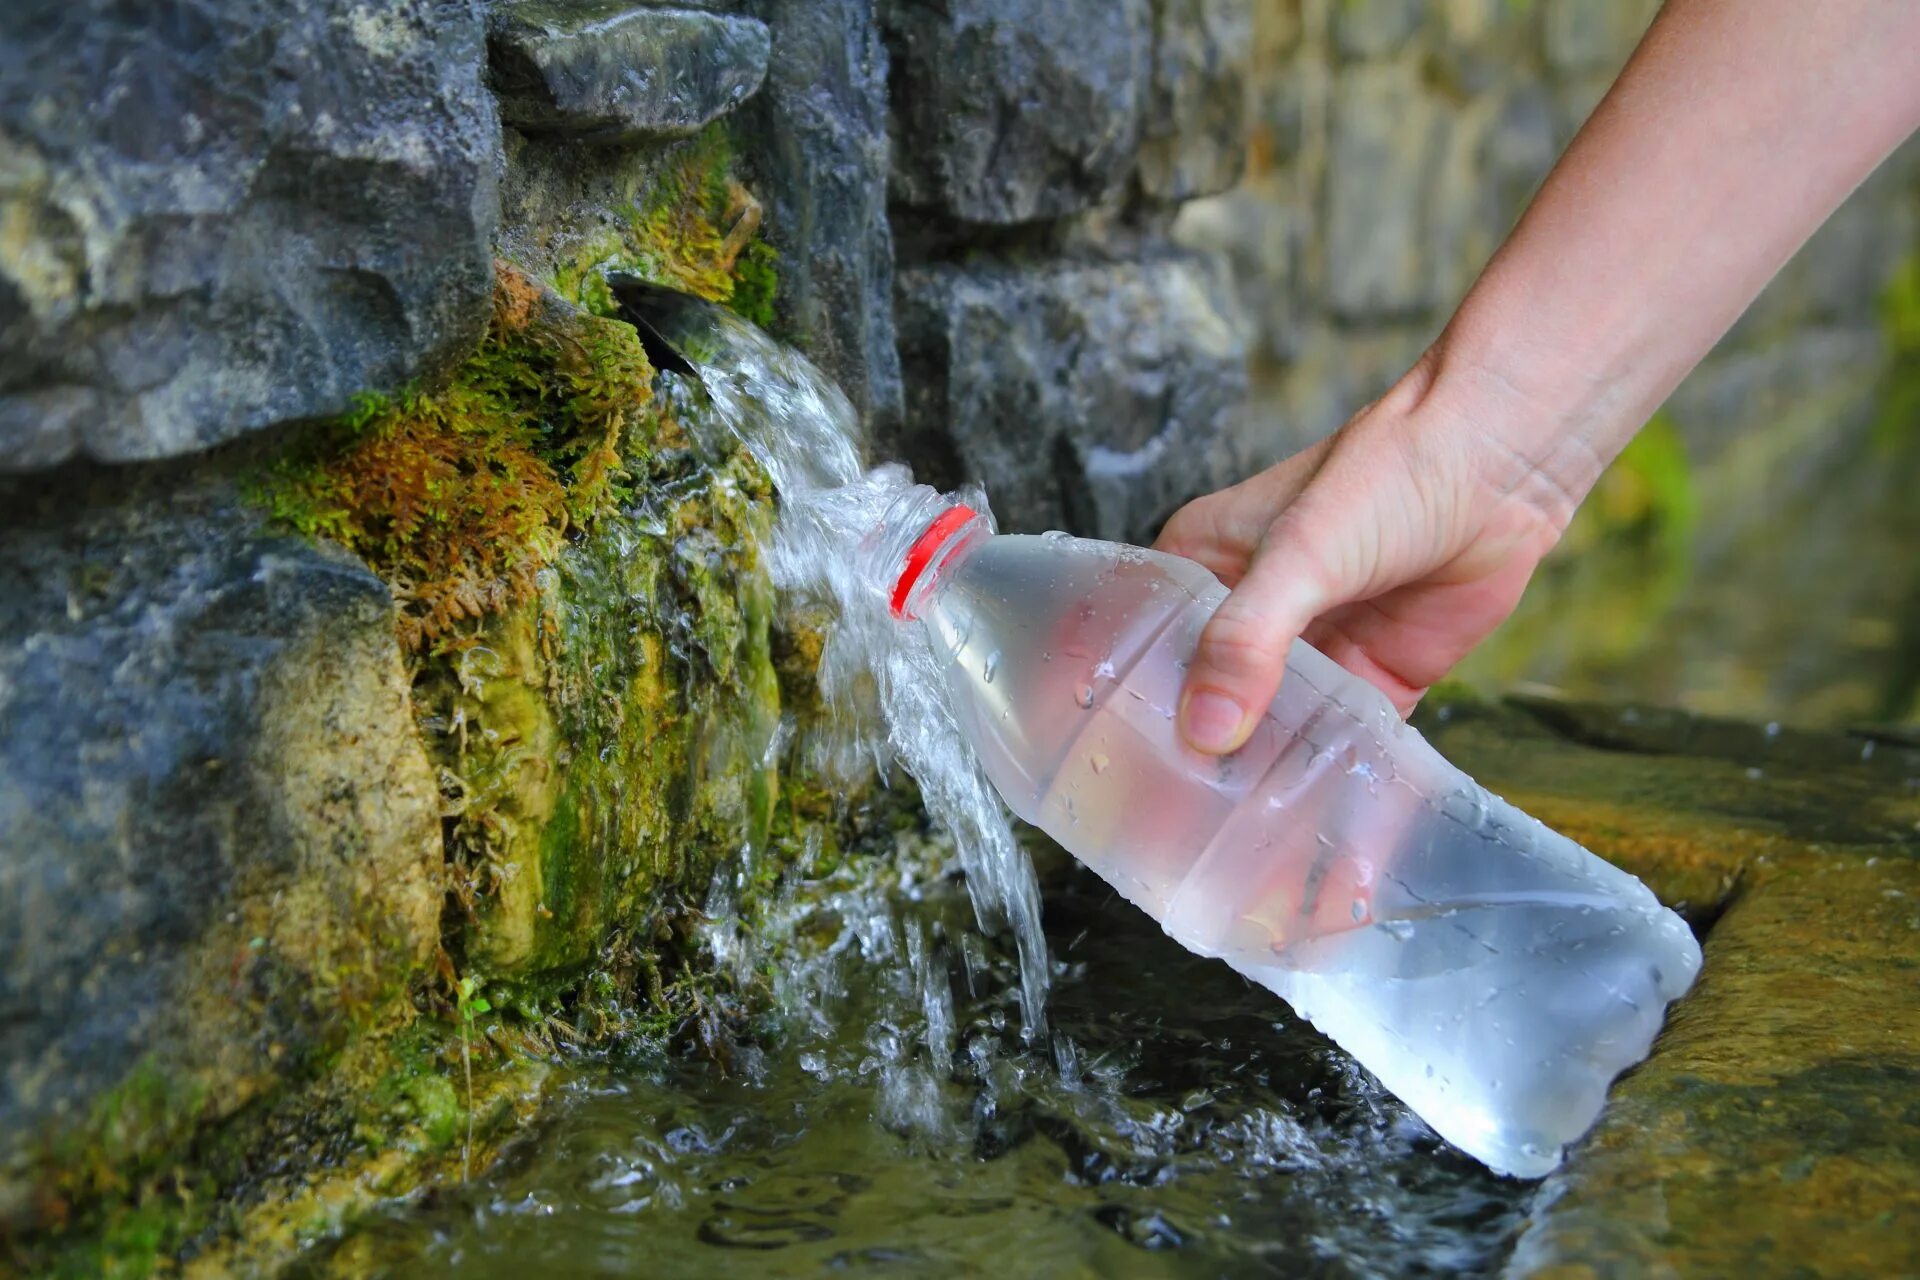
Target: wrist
1544	423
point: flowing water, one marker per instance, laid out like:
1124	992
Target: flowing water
938	1084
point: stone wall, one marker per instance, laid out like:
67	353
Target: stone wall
375	648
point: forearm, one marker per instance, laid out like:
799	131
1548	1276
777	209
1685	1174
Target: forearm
1735	129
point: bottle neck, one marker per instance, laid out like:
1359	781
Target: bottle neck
918	542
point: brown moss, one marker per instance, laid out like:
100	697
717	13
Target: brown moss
459	496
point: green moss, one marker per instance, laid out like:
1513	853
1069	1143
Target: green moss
757	283
1898	418
458	497
694	229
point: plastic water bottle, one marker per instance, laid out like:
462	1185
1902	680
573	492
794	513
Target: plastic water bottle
1490	972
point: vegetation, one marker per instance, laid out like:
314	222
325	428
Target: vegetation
695	230
459	497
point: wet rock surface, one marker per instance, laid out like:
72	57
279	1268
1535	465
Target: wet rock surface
1774	1129
219	836
616	72
233	217
816	140
1096	396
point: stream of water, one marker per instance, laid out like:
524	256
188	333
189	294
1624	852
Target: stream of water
941	1084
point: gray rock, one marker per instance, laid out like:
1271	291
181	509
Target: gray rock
1008	111
1374	28
815	140
612	72
1194	132
232	215
219	835
1091	396
1383	162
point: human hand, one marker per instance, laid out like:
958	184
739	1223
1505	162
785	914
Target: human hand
1394	546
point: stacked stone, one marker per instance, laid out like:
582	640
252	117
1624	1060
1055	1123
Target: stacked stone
1054	340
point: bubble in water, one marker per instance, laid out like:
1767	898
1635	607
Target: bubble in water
1084	696
1098	762
1359	910
992	665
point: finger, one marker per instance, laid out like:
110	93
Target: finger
1242	653
1223	530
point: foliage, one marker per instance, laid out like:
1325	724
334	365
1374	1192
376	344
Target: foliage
459	497
1899	414
694	230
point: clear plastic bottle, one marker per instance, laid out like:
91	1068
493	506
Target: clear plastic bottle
1490	972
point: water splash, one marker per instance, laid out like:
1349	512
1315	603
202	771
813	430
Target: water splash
885	693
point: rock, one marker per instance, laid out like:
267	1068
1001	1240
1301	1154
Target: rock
219	836
234	217
1194	133
816	140
1008	111
1374	28
1090	396
1383	162
613	72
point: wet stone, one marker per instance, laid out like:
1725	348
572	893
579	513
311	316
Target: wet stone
219	836
1774	1130
815	136
614	72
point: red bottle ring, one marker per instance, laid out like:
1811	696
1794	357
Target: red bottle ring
921	553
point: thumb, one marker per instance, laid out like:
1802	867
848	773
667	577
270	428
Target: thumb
1242	653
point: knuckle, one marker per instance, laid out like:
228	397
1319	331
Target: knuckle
1241	642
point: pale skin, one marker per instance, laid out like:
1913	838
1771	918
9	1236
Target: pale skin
1397	544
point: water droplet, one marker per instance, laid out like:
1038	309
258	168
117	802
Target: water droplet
1084	696
1098	762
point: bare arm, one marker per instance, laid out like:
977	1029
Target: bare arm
1400	542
